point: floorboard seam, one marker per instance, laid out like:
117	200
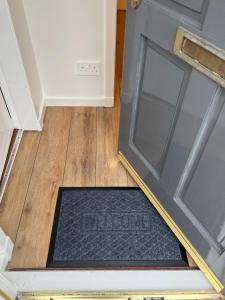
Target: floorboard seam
71	117
25	198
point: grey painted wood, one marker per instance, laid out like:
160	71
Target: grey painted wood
172	127
195	10
195	5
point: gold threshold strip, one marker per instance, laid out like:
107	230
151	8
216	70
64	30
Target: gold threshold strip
4	296
204	295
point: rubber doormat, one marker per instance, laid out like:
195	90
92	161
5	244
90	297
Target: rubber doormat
110	227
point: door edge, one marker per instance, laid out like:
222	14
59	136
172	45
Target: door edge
210	275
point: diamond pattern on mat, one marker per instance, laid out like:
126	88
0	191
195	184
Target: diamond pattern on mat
112	224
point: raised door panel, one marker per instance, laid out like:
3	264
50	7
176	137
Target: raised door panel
200	193
194	10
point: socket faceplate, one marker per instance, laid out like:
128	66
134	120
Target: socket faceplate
88	68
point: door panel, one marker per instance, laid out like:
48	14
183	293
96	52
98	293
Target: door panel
6	130
195	10
206	185
151	143
195	5
172	121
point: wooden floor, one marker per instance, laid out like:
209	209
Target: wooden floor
78	147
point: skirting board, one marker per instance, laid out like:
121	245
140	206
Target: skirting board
42	114
85	101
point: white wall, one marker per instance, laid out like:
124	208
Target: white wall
64	31
40	43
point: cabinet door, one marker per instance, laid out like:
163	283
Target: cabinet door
6	130
172	131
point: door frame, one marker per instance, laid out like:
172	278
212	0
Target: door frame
115	281
187	282
9	291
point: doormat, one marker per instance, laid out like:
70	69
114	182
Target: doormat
110	227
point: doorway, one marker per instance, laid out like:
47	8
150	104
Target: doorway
85	155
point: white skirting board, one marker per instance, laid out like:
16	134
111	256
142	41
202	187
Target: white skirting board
109	281
42	115
85	101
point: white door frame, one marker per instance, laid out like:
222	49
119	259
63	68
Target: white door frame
110	28
13	78
109	281
105	280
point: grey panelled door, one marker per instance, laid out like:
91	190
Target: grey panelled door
172	128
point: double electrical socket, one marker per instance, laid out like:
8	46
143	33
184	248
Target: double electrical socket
88	68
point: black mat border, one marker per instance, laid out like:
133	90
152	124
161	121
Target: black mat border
103	264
